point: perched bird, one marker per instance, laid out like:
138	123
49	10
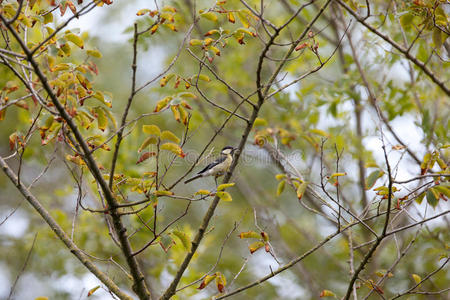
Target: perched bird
217	168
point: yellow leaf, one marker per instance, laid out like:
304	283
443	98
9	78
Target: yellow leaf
243	18
280	187
91	291
163	193
151	129
162	103
204	78
224	196
75	159
183	237
195	42
206	281
338	174
255	246
153	29
301	190
327	293
102	120
280	176
249	235
319	132
416	278
187	95
142	12
224	186
75	39
183	115
168	135
220	282
169	8
148	141
176	112
231	18
202	192
94	53
260	122
209	16
174	148
207	41
166	79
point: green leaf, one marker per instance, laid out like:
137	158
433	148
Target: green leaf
420	198
187	95
48	18
209	16
437	37
372	178
432	197
203	77
443	189
183	237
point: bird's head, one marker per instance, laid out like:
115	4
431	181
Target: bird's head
228	150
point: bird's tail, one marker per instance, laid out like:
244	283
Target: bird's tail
193	178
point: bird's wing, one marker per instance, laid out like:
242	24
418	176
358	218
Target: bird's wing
213	164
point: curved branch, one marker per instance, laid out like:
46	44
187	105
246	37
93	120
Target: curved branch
139	286
61	234
400	48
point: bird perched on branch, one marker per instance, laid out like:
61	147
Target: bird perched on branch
219	167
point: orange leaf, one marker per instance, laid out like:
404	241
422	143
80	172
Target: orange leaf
231	17
301	46
145	156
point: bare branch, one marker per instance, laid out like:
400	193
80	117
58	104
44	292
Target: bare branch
61	234
402	50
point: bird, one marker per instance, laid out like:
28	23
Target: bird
219	167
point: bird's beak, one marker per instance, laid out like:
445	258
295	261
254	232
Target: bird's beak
236	150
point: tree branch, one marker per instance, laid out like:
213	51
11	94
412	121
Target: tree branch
61	234
139	283
397	46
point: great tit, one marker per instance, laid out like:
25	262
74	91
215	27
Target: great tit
217	168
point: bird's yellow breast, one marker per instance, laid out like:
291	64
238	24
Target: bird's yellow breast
223	167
